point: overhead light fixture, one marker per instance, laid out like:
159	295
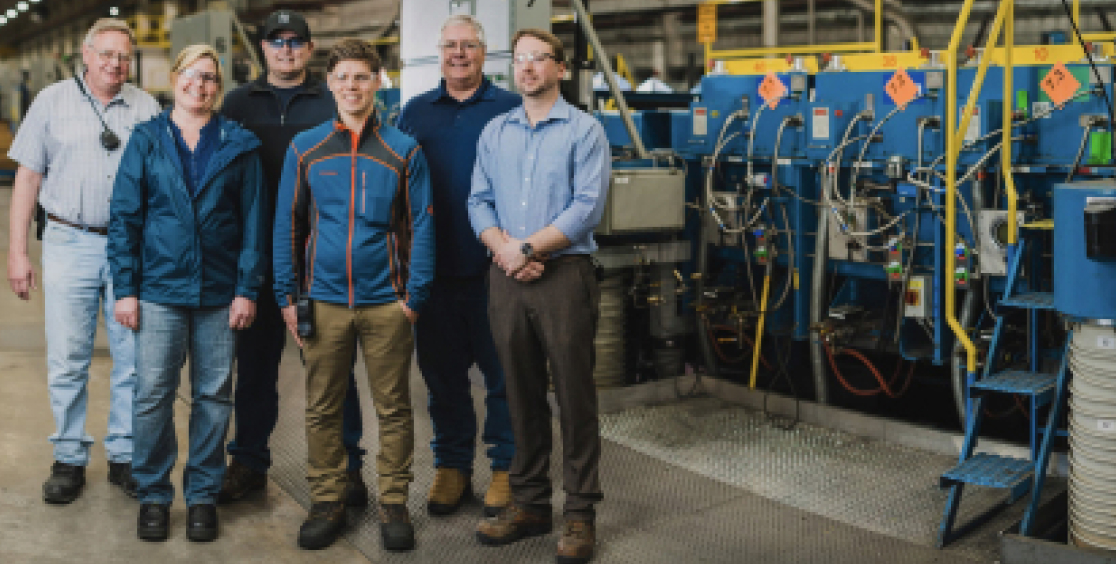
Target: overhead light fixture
12	14
114	11
35	1
3	20
23	6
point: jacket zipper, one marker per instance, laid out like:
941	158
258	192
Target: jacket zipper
363	190
352	210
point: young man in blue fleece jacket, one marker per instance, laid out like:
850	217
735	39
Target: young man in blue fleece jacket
354	231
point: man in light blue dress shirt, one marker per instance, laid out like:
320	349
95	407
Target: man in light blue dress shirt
539	188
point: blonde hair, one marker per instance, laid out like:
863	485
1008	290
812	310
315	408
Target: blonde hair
192	54
108	24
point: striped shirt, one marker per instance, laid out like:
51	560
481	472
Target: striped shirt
60	138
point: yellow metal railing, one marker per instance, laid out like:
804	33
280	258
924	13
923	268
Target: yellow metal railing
955	137
876	45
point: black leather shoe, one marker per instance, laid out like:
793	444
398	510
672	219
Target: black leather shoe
201	525
64	484
356	493
120	474
321	529
154	522
240	481
395	527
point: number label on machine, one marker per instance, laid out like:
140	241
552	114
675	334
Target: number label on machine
819	124
772	90
1106	342
1060	85
1106	425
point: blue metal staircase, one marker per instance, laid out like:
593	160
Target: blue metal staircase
1015	475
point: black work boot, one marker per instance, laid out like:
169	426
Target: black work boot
240	481
120	474
323	526
64	484
356	493
154	522
201	525
395	527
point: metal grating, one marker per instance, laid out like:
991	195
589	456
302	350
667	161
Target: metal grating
1019	382
669	499
991	471
1034	300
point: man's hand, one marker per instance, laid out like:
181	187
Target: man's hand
411	314
21	276
126	312
509	255
290	317
242	312
530	271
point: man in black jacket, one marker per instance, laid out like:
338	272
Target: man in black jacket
283	102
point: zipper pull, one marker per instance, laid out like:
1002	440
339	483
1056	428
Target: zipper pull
363	190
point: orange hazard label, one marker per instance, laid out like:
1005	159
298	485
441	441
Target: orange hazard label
1059	84
901	88
772	90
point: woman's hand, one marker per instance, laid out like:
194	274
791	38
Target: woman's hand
126	312
241	313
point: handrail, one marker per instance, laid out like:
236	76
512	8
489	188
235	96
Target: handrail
1008	104
876	45
953	149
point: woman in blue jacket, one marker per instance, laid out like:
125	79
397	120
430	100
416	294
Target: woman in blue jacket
185	247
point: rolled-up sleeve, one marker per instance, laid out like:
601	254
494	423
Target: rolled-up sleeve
592	169
482	197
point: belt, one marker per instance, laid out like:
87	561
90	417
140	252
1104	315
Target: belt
97	230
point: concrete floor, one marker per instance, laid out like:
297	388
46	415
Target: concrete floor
100	526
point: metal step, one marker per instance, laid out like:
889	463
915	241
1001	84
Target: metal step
993	471
1038	384
1031	300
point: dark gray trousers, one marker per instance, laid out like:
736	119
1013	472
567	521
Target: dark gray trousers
550	323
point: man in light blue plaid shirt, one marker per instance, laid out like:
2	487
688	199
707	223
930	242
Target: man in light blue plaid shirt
68	148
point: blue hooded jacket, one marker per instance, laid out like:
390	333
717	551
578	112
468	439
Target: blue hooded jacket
168	247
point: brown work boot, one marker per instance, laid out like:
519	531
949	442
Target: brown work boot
511	524
576	544
450	489
498	495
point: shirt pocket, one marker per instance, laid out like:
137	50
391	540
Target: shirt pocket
374	195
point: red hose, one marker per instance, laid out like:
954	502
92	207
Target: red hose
885	386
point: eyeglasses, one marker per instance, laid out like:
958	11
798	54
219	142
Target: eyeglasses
360	78
292	42
470	46
108	56
532	57
195	74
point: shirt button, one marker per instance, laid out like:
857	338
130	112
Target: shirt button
528	179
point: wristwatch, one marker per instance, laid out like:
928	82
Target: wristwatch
528	251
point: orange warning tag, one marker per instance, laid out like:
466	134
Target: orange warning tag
772	90
901	88
1060	85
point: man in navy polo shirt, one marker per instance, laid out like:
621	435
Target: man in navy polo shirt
453	332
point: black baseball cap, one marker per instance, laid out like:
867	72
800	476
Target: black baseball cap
286	20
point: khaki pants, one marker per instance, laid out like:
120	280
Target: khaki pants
386	341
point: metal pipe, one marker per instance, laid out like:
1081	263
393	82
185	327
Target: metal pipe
954	137
1005	150
969	308
817	294
897	18
771	23
763	317
606	66
1076	19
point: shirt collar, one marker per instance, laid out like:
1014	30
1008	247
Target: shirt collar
484	92
560	111
119	98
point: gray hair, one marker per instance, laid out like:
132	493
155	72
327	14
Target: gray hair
108	24
465	19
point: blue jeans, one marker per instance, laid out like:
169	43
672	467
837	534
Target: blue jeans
76	283
256	400
166	336
451	335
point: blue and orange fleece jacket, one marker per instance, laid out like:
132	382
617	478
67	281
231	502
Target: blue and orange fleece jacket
354	219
